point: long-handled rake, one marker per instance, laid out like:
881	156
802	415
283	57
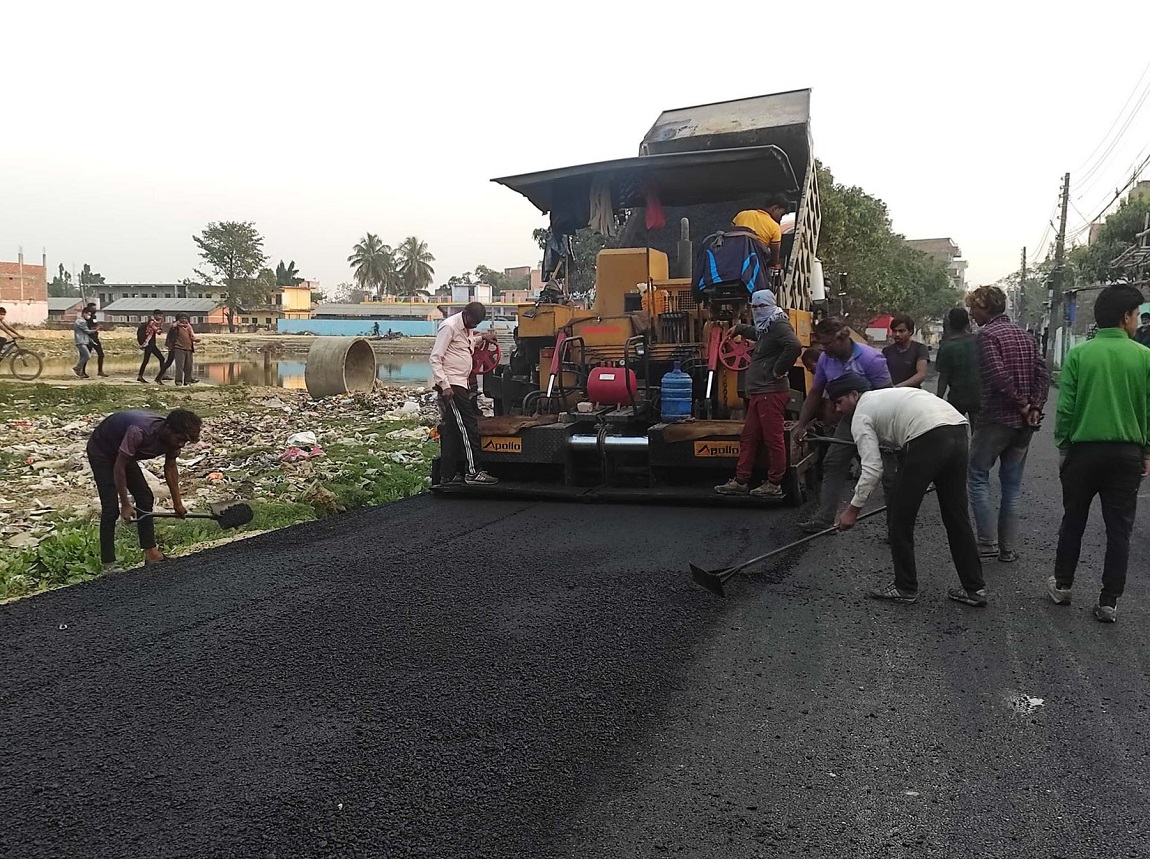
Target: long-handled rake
229	514
713	580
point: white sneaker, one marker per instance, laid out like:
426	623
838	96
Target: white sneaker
733	487
1061	596
480	478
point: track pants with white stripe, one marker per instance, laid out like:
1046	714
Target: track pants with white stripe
459	433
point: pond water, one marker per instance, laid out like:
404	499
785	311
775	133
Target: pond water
406	370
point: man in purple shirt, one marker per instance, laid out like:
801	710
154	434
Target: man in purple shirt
841	354
115	448
1015	384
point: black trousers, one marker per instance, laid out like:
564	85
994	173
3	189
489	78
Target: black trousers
459	433
940	457
102	470
1113	472
149	351
98	350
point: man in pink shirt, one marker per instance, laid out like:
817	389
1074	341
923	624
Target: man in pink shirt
452	358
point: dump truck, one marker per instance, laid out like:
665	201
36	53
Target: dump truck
578	410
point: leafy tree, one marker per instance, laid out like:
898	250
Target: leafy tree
287	275
884	273
373	264
348	293
89	277
1093	263
585	247
234	252
413	264
61	286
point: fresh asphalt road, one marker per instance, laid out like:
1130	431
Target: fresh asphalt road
450	678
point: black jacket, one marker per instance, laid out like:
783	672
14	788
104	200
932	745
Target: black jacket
774	355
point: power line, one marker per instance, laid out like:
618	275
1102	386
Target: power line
1106	136
1134	170
1110	149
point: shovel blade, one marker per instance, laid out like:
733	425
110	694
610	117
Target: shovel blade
708	579
232	514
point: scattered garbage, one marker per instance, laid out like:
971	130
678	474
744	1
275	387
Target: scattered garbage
278	445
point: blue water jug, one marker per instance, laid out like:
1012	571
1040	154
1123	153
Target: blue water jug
677	395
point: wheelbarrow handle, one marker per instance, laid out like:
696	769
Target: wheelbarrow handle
145	514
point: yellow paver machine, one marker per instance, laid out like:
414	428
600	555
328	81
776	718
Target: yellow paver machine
634	391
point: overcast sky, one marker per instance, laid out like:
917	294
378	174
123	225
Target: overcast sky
129	126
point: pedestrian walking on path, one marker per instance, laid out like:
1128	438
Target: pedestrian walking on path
841	354
1102	429
115	449
94	338
83	340
777	347
932	438
957	364
1015	384
452	370
181	343
146	335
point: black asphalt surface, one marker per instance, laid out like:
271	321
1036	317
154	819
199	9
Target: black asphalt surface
451	678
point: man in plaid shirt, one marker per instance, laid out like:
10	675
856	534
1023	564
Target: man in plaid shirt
1015	384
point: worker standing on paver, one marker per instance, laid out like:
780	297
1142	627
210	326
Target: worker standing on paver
765	224
841	354
1102	430
931	436
115	449
1015	385
777	347
453	375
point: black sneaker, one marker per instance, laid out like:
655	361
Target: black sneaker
962	595
893	594
480	478
456	480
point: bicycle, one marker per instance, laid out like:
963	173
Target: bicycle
25	364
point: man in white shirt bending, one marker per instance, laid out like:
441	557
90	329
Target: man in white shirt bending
931	436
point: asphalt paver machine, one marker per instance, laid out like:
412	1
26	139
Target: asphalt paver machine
578	410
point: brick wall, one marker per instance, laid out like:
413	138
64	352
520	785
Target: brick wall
35	282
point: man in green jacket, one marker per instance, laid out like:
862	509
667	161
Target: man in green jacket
1102	431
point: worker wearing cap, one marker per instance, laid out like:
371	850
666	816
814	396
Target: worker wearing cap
452	362
931	435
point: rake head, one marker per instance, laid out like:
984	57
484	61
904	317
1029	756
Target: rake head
711	580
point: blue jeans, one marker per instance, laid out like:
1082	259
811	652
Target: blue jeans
1007	445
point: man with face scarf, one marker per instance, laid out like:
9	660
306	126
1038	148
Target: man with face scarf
777	347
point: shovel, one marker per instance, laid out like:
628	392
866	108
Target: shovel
229	514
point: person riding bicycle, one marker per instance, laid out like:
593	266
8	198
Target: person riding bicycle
5	328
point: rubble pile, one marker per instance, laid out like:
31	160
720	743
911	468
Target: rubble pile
282	446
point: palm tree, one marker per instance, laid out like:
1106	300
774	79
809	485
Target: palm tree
414	267
373	262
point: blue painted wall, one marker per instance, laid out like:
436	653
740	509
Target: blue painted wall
359	327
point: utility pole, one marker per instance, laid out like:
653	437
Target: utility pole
1021	311
1056	314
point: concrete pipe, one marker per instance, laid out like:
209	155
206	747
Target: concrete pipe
337	365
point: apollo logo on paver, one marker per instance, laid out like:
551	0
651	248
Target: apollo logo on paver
717	448
502	444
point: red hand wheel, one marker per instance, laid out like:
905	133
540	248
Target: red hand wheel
735	352
485	358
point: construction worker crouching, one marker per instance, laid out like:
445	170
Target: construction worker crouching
932	438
